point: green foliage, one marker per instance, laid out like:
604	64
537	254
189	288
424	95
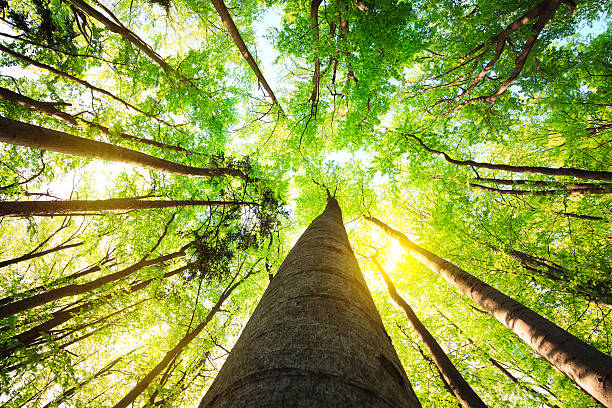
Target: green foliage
389	70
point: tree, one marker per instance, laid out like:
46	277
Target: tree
480	129
316	324
459	387
585	365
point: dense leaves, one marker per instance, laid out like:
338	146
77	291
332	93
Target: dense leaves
407	111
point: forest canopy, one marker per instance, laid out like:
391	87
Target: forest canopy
159	159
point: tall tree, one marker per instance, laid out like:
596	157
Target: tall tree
31	208
36	137
459	386
586	366
315	324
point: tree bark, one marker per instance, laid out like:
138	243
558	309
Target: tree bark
586	366
31	208
36	254
29	292
227	20
176	351
315	338
549	171
459	386
77	289
36	137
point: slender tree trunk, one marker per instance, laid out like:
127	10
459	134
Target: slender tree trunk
124	32
77	289
31	208
244	51
573	190
58	318
176	351
586	366
49	108
72	276
549	171
70	391
460	387
36	137
500	366
598	291
315	338
27	257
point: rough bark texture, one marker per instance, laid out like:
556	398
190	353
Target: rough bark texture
24	134
459	386
315	338
29	208
586	366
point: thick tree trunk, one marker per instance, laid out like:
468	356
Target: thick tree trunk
549	171
176	351
27	257
459	386
586	366
77	289
36	137
31	208
227	20
315	338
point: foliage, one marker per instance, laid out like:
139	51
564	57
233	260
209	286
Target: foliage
369	91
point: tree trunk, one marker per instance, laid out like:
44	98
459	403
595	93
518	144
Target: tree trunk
573	190
315	338
586	366
500	366
49	108
58	207
227	20
77	289
461	389
36	254
549	171
176	351
36	137
58	318
29	292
